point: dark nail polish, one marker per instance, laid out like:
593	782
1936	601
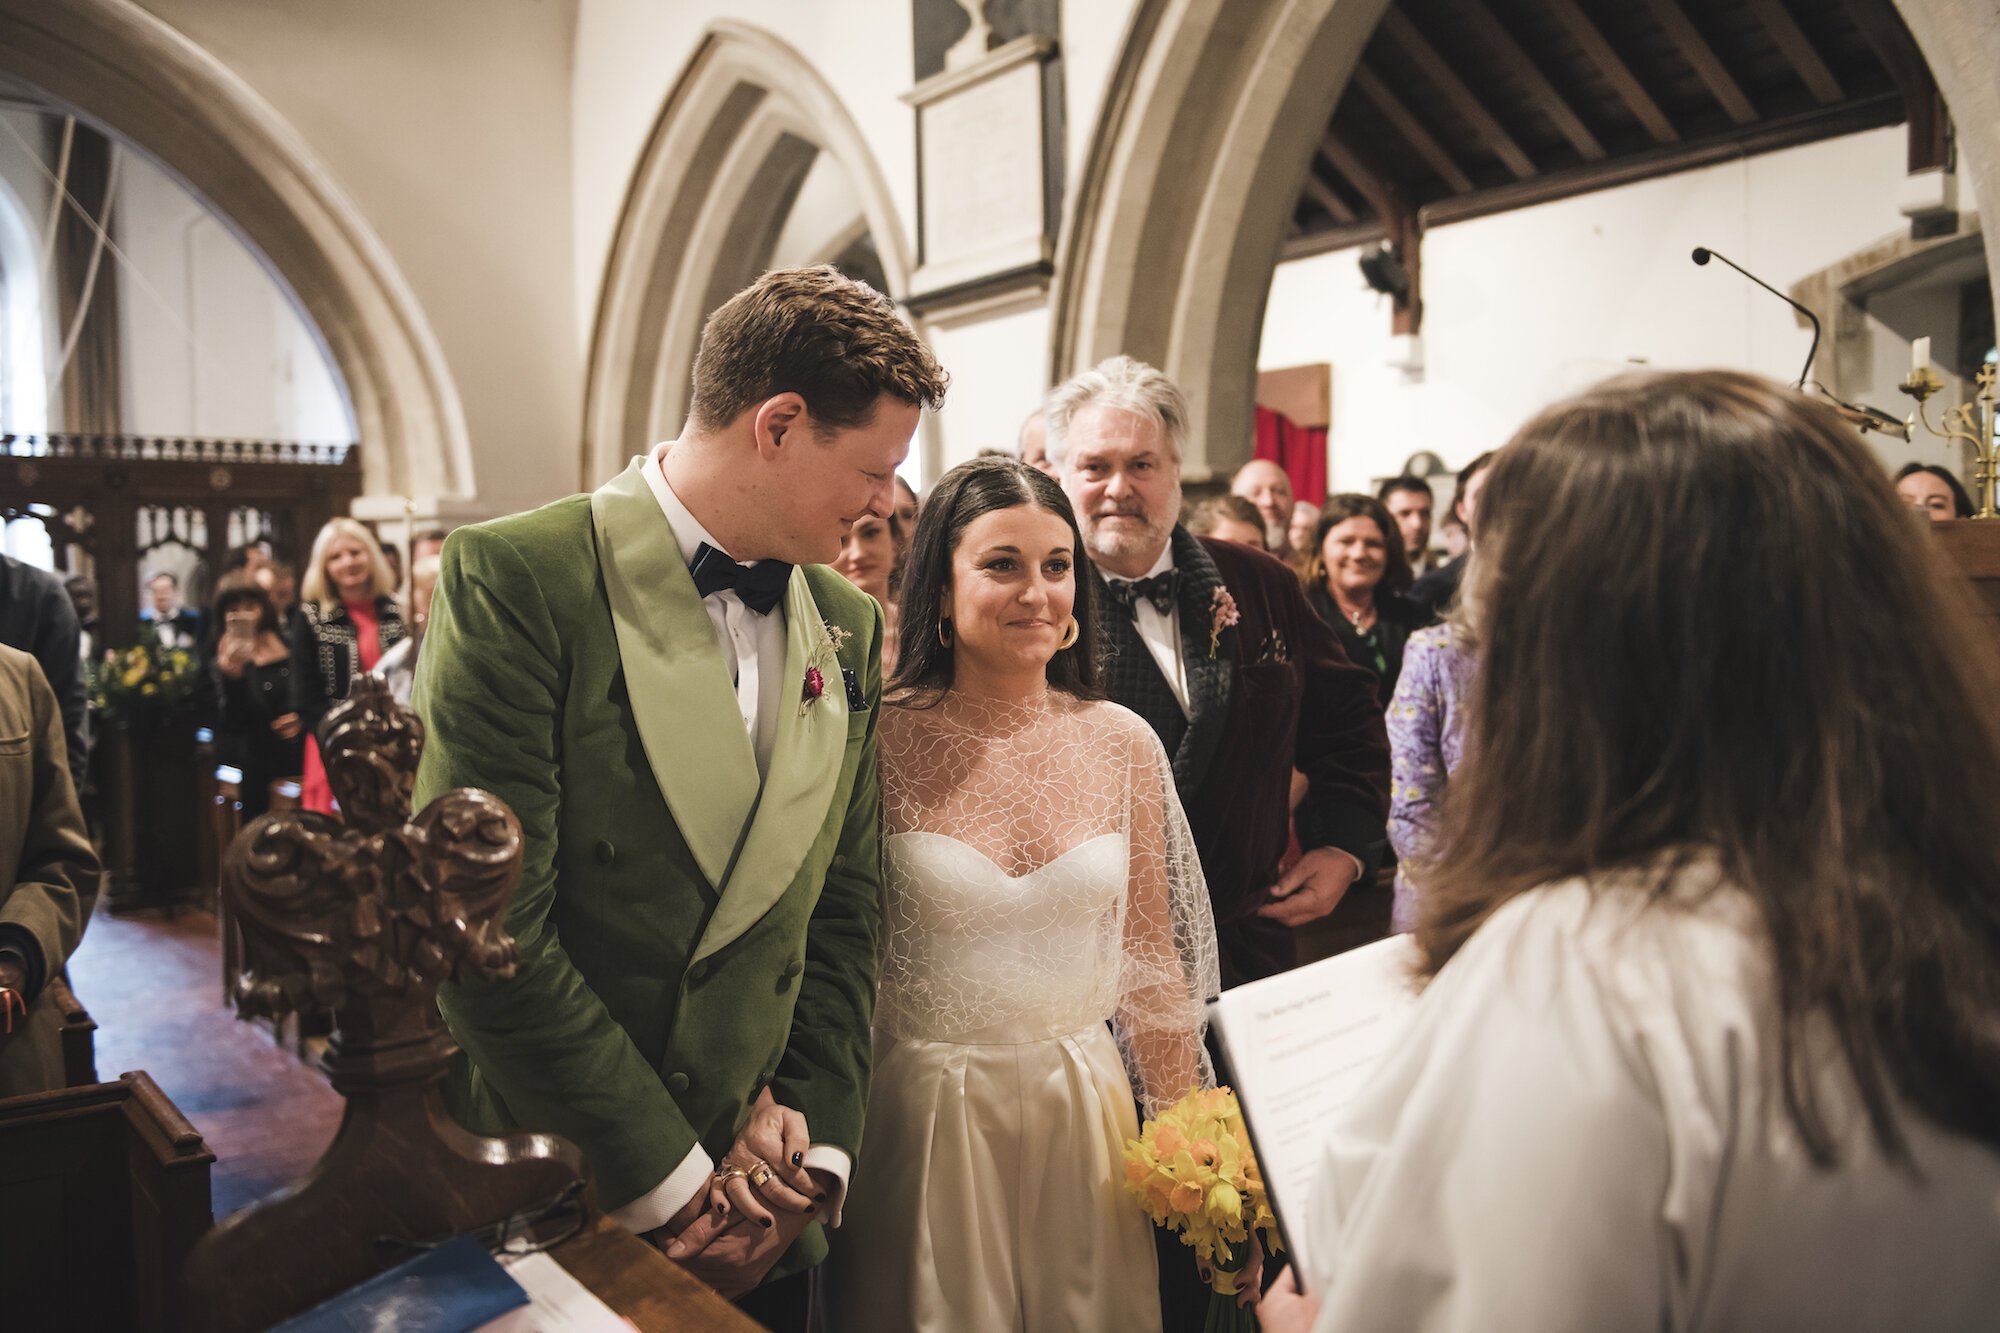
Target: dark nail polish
819	1198
811	1208
798	1159
763	1221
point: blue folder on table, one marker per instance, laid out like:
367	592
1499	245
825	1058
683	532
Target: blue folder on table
452	1289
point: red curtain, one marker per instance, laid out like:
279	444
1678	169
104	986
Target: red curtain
1299	450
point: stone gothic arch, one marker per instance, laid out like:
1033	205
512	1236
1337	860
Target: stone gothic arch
735	138
1208	128
116	65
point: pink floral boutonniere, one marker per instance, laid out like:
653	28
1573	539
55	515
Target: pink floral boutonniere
1222	615
815	687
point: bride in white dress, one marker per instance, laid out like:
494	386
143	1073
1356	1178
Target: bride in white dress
1048	947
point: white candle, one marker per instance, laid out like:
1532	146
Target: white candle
1920	354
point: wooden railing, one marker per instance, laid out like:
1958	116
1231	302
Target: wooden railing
173	449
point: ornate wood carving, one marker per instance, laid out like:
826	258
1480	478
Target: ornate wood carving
366	917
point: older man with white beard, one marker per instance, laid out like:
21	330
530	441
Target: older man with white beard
1214	645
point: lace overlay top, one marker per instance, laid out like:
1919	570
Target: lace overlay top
1040	879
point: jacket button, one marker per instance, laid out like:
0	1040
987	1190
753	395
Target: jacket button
793	968
700	971
838	863
677	1083
606	853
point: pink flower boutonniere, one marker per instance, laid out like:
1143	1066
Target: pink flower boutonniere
1222	615
832	638
815	687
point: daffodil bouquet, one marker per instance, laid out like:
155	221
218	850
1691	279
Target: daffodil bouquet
1192	1169
144	683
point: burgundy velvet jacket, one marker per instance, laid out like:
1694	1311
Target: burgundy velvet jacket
1268	693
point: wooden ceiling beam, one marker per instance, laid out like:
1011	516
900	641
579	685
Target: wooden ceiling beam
1405	122
1798	51
1323	195
1463	100
1400	224
1500	42
1694	49
1615	71
1382	196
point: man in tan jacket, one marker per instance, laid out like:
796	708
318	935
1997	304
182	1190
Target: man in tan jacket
49	874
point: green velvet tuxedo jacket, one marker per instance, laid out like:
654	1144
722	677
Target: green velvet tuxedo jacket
688	935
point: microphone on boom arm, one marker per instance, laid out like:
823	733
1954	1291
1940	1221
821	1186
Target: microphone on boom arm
1702	254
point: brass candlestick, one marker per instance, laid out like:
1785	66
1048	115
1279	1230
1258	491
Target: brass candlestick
1970	422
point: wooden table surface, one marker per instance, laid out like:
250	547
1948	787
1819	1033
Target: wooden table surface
643	1285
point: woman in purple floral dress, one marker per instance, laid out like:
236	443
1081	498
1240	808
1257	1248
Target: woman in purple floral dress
1426	730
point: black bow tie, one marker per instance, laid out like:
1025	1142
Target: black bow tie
759	585
1162	590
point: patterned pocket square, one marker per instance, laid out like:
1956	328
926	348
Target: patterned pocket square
855	702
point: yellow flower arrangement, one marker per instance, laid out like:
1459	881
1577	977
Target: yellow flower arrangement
143	684
1193	1170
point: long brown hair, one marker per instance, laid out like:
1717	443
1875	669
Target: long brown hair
1708	627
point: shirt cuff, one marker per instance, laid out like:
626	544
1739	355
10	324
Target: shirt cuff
656	1205
19	944
836	1163
1360	870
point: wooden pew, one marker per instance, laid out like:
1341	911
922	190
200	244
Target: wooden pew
103	1192
79	1047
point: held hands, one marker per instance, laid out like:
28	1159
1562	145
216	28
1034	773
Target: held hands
1249	1281
1312	888
756	1204
1285	1308
287	726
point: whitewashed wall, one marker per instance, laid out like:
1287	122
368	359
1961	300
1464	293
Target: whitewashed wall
1526	306
213	346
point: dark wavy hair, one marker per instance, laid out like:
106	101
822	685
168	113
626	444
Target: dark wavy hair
238	590
924	664
1961	503
1337	510
1735	644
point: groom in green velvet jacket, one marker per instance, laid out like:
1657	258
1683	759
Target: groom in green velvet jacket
680	706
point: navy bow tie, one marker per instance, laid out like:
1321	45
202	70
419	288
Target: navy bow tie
1162	590
760	585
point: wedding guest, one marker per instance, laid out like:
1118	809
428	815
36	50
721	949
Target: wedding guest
36	617
428	543
1426	742
1214	645
1266	485
392	555
1933	490
258	728
1047	946
871	558
1305	518
907	504
49	876
83	600
1034	443
1436	592
1409	501
245	561
1355	579
281	582
1228	518
175	624
1711	1036
347	619
1454	536
399	664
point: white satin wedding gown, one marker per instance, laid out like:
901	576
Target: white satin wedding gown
1048	949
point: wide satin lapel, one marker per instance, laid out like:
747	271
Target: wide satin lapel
1210	676
805	769
682	700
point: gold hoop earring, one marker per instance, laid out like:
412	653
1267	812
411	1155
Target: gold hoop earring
1075	633
944	634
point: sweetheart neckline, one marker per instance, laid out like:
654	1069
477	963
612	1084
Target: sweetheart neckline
1026	874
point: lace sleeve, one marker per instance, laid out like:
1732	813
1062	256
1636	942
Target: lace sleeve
1168	968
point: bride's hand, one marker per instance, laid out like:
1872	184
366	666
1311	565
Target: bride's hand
774	1136
1249	1281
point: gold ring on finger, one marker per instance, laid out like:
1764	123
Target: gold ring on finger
729	1173
760	1175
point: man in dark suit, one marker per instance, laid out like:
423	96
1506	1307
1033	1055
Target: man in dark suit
177	624
36	616
1214	645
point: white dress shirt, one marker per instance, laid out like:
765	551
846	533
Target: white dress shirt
753	650
1162	633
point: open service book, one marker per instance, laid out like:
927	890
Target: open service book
1297	1047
